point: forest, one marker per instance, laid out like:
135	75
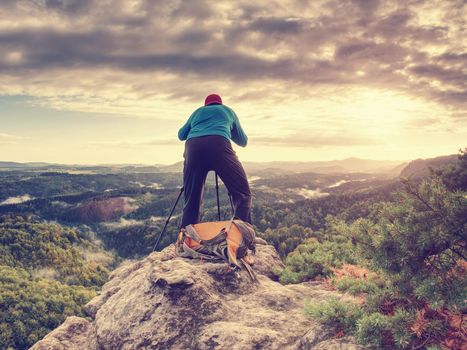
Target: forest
405	260
397	244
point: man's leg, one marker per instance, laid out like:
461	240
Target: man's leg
231	172
194	177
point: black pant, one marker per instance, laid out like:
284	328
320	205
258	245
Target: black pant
206	153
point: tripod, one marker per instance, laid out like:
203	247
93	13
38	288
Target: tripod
175	205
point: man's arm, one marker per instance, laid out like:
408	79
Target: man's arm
238	135
185	129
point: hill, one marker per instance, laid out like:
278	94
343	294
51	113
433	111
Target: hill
47	272
420	167
348	165
11	165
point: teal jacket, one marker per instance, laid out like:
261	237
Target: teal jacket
214	119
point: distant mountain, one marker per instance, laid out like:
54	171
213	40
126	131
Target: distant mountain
349	165
420	167
140	168
268	172
395	172
173	168
26	165
19	165
39	164
11	165
30	165
42	166
330	170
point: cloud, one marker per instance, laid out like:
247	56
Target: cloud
174	48
272	25
430	123
68	6
447	76
294	140
9	139
133	144
313	141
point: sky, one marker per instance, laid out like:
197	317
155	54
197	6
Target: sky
112	81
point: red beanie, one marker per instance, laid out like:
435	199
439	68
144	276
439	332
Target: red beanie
213	98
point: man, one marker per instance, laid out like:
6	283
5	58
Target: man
208	132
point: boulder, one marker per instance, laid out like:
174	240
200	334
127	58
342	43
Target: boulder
168	302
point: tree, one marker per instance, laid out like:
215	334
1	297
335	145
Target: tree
419	242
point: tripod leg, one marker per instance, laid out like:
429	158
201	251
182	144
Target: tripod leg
217	195
231	204
167	221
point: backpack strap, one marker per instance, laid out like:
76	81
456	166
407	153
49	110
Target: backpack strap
191	232
248	234
232	256
215	240
230	223
249	270
221	237
188	252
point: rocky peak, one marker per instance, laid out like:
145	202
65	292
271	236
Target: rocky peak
167	302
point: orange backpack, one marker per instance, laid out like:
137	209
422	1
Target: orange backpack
219	241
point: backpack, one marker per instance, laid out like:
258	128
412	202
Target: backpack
219	241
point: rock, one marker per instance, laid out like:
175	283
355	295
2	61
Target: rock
167	302
346	343
316	334
75	333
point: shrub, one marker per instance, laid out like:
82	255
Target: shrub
333	312
400	328
314	259
373	329
286	239
355	286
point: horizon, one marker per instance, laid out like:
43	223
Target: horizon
88	82
400	161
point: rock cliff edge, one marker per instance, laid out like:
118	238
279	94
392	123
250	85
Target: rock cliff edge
167	302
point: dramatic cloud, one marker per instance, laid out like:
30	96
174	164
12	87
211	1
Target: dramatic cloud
328	66
412	45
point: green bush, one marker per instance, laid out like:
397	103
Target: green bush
286	239
400	324
315	259
333	312
356	286
372	329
